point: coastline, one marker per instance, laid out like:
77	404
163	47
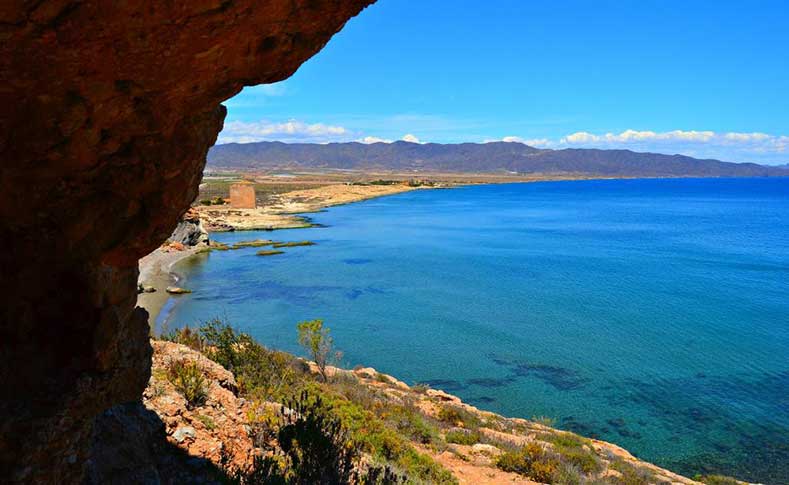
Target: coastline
170	266
286	212
156	270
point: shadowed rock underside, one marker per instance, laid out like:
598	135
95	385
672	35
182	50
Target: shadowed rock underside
108	110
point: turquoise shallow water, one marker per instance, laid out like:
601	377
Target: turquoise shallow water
650	313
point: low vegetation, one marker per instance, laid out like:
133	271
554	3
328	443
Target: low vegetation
269	252
292	244
463	437
213	201
187	378
336	418
252	244
342	427
315	339
716	480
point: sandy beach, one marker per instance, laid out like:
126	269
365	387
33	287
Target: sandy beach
156	270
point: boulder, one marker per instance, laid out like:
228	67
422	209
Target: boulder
176	290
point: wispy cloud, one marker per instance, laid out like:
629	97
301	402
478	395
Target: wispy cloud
733	146
288	131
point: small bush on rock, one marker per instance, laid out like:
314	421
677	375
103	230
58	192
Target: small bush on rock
463	437
188	380
531	461
716	480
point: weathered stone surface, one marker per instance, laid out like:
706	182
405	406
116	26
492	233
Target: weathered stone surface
190	230
108	109
212	429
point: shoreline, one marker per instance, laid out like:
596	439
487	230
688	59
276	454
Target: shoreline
290	214
156	270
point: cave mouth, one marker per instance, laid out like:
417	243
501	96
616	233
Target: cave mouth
109	111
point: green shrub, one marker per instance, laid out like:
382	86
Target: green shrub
382	475
186	336
313	448
531	461
207	421
565	440
382	378
631	474
383	438
188	380
263	373
205	202
463	437
567	474
316	445
716	480
422	467
584	459
411	424
544	420
315	338
421	388
455	416
574	450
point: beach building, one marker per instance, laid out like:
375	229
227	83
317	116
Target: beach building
242	195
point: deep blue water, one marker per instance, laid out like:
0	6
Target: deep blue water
650	313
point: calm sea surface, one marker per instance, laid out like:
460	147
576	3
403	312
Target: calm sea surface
650	313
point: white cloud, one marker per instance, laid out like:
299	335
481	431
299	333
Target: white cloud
634	136
288	131
730	146
410	138
373	139
513	139
534	142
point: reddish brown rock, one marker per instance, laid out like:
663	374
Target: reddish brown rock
108	109
215	429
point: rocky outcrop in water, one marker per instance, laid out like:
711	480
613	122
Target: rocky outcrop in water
108	111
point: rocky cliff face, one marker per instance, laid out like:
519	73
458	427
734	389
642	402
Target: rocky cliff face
163	439
190	230
108	111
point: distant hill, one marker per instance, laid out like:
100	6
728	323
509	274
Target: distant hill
496	157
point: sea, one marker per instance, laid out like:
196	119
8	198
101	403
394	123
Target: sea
651	313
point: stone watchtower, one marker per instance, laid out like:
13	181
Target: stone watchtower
242	195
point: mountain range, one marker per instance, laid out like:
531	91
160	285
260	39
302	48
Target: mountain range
493	157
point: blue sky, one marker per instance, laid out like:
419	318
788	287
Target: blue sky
707	79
